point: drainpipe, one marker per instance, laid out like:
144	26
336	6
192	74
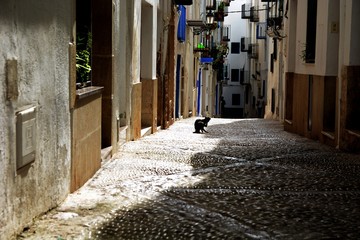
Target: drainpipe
199	94
177	87
342	22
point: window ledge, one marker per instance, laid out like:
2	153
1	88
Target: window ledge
88	91
329	135
356	133
288	121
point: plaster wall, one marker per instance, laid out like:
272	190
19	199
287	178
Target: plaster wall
120	89
273	83
327	39
189	76
290	44
133	42
228	92
149	40
135	38
36	34
351	34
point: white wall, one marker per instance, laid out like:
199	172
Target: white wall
327	41
37	35
148	39
351	33
230	90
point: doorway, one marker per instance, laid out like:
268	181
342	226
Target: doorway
102	64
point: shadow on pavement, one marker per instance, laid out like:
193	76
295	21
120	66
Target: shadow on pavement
252	181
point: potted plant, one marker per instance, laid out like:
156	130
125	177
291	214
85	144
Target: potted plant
220	14
305	55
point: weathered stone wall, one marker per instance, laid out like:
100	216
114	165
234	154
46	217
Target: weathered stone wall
301	118
35	35
349	118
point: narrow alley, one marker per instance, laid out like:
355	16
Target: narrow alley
244	179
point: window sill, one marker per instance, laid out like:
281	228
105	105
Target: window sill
355	133
288	121
329	135
88	91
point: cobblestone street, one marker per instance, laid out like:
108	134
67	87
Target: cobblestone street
245	179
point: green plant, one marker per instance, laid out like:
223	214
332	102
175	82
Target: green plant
221	7
306	55
83	58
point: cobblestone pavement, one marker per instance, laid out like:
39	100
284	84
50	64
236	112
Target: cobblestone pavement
245	179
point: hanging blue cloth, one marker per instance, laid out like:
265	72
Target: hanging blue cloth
181	33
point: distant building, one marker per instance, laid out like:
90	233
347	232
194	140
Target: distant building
246	67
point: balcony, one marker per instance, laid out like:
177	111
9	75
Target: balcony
202	42
226	2
210	4
226	33
244	77
226	71
254	14
274	22
253	51
245	11
244	42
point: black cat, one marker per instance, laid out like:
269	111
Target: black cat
200	124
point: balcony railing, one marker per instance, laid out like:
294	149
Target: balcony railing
254	14
244	42
244	77
226	71
253	51
245	11
226	33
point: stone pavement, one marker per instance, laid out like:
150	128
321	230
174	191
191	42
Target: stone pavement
245	179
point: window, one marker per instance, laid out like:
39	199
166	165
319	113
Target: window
83	43
311	31
310	103
235	47
273	100
261	30
272	63
226	71
275	48
244	44
236	99
235	75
